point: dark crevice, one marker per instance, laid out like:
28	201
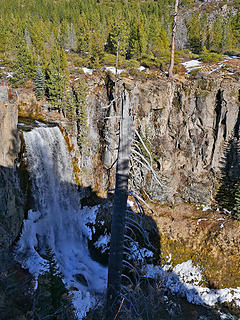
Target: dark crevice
237	125
224	120
218	110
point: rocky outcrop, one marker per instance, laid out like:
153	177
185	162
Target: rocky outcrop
208	238
8	134
11	197
190	129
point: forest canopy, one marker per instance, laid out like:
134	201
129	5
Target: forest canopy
39	37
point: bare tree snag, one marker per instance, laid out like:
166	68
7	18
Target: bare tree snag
170	70
119	209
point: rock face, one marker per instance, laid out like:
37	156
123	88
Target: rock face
188	135
8	134
189	129
11	199
187	139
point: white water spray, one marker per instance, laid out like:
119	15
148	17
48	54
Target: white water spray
57	221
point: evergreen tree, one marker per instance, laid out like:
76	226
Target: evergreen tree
22	64
216	35
118	36
96	49
51	298
194	32
39	83
57	77
137	38
237	201
158	41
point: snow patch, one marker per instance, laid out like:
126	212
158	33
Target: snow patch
192	65
206	207
103	242
141	68
227	211
201	219
114	70
216	69
9	74
130	203
87	70
139	254
185	280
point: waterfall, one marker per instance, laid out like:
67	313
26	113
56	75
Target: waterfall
57	220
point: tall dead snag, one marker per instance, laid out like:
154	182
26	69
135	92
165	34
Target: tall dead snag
174	29
119	209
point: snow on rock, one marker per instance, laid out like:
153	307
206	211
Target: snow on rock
87	71
89	217
206	207
139	254
114	70
141	68
103	242
184	281
191	65
201	219
188	273
216	69
82	303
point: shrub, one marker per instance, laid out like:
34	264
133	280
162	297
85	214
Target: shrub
131	64
208	56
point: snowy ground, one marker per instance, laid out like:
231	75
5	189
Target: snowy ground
192	65
185	279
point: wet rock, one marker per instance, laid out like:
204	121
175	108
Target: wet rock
80	278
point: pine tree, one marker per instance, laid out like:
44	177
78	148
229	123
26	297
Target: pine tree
237	201
194	32
137	38
118	36
22	63
51	298
57	77
39	83
216	39
96	49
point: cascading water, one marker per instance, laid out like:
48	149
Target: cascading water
57	220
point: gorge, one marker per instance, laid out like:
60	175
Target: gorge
187	131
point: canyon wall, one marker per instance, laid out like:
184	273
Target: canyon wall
190	129
187	132
11	197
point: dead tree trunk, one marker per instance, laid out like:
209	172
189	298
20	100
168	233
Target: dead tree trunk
119	208
170	70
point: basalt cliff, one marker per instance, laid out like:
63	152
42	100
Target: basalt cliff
186	149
